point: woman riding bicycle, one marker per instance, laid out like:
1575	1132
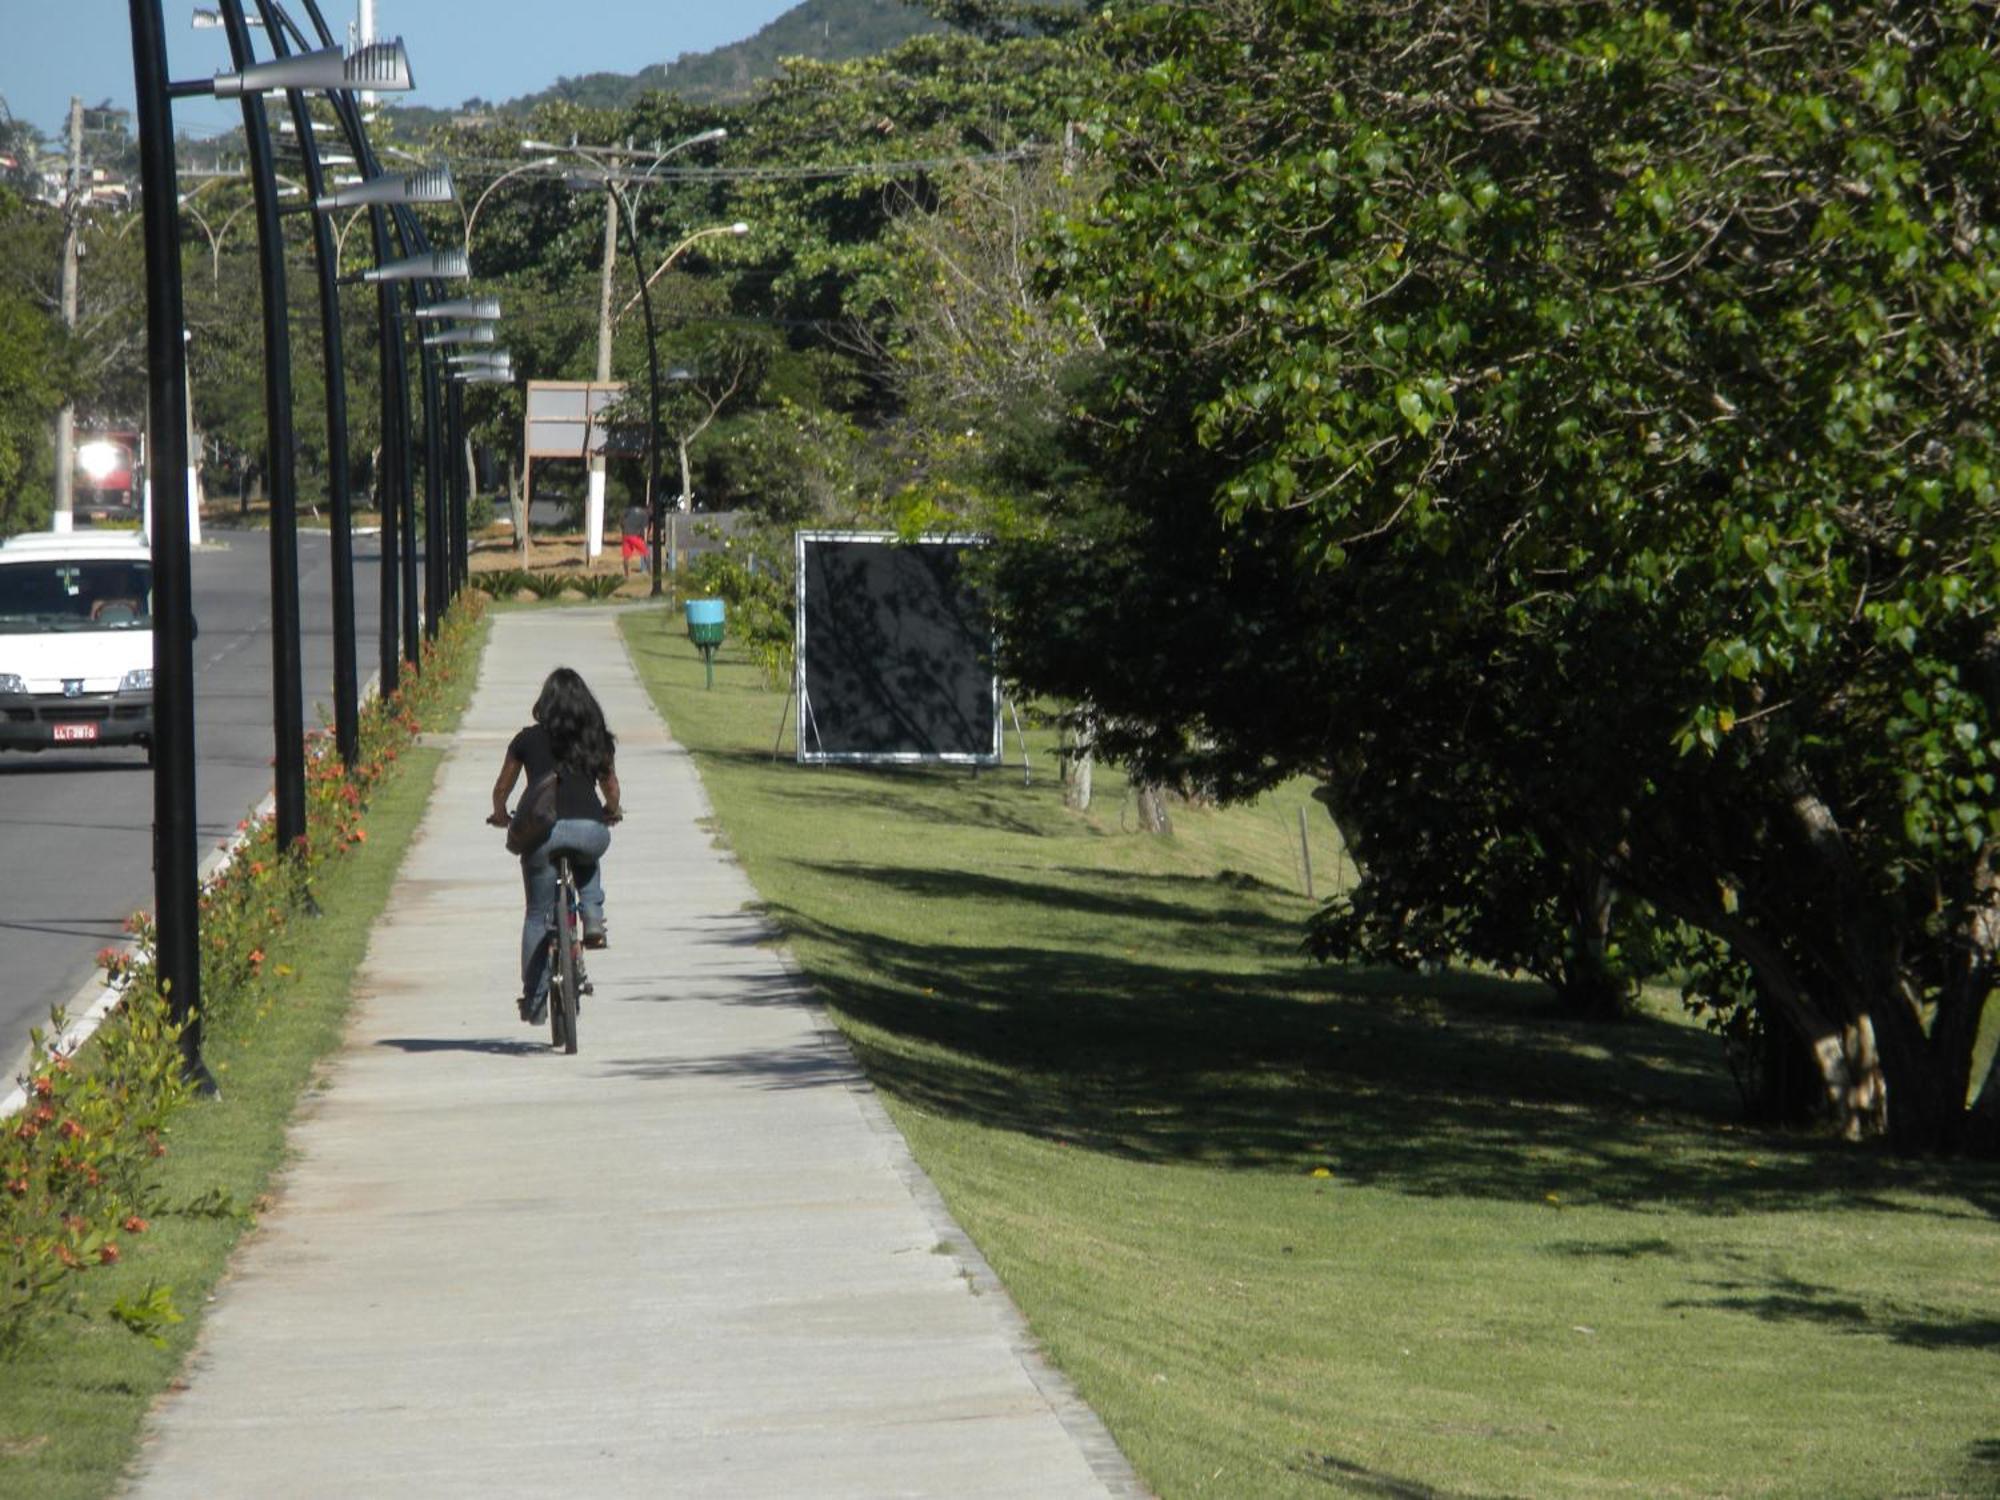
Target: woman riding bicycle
568	736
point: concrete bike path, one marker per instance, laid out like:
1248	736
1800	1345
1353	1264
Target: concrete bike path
693	1260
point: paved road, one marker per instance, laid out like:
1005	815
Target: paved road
75	826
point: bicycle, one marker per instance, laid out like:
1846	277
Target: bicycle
567	981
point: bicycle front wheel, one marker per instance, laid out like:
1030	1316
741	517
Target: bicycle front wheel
569	937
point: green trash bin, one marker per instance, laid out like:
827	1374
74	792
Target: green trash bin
704	625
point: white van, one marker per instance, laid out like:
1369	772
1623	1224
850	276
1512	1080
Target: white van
76	641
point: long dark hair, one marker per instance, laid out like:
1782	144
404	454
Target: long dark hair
582	743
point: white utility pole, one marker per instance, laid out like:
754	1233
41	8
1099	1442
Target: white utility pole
64	517
593	510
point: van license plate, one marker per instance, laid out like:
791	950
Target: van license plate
75	732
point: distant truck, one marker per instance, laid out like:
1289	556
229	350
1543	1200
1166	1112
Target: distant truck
106	484
76	641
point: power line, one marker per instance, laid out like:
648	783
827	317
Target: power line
469	167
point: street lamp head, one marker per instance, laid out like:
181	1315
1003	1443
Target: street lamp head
381	66
432	185
431	265
462	307
486	364
739	227
473	333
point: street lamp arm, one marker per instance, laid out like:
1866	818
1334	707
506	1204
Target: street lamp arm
604	157
472	218
340	236
700	234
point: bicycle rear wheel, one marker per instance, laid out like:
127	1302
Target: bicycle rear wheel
555	993
569	938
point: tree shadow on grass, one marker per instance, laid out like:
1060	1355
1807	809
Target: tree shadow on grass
1154	898
1357	1479
1447	1087
950	798
1983	1465
1786	1299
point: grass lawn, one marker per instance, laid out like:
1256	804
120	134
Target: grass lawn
1297	1231
71	1405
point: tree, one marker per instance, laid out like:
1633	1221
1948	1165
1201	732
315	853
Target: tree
1594	414
33	365
725	368
37	376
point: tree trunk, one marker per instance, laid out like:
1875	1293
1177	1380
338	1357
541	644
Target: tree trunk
1589	986
1078	760
1077	767
1785	1084
518	507
1982	1123
1852	1071
1333	795
1153	816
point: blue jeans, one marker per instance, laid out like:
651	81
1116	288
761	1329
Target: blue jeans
585	840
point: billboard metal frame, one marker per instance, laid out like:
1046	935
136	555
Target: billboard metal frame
808	727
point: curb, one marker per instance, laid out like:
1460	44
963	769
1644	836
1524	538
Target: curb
96	998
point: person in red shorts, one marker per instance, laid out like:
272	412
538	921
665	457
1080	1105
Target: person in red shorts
635	539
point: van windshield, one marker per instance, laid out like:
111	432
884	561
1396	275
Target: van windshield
68	593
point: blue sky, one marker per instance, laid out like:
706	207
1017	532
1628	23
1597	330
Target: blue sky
494	49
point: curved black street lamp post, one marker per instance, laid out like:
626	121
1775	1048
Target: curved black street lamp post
392	473
346	683
608	175
176	880
392	478
473	317
287	695
426	267
461	499
176	889
653	510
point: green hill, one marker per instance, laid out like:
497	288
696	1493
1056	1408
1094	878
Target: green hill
828	30
824	30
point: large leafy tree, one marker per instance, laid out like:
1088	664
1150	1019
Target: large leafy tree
33	371
1590	412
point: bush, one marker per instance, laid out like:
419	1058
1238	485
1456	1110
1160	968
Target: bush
752	574
76	1163
596	585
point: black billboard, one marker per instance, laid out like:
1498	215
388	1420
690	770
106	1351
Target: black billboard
895	652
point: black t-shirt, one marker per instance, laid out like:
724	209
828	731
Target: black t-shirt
635	521
576	796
